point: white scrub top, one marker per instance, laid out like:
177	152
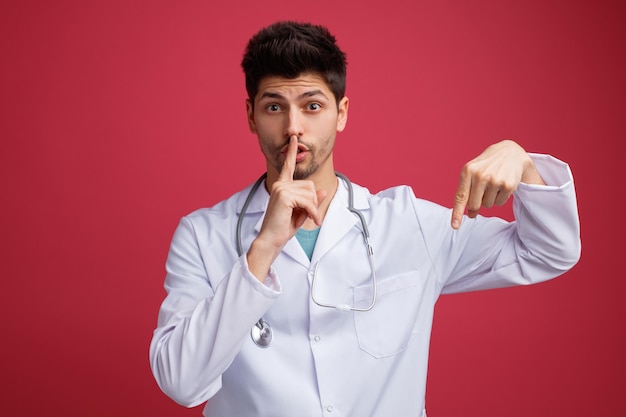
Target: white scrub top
326	362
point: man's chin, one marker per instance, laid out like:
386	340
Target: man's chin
303	173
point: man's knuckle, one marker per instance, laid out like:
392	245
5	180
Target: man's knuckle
486	178
460	197
508	186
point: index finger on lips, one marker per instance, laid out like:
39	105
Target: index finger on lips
289	166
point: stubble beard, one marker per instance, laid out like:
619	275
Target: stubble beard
301	172
304	173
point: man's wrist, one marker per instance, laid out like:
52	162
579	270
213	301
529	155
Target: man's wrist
531	175
260	258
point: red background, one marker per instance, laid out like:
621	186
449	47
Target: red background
119	117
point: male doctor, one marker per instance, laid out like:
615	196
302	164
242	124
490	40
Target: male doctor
306	295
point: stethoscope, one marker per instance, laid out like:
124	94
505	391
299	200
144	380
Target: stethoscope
261	332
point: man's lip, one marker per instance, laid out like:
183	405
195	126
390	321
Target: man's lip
301	148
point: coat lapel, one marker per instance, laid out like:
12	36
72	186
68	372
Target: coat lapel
339	220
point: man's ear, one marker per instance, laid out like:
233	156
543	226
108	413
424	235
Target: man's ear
342	116
250	112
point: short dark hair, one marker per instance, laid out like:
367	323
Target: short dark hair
289	49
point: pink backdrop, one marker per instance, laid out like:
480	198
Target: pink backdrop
119	117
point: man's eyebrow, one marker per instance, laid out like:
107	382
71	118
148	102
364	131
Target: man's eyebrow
313	93
271	95
306	94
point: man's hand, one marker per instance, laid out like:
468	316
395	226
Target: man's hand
491	178
291	204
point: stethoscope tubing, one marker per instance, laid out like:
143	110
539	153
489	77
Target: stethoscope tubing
261	332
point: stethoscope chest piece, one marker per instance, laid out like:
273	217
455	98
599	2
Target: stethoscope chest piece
261	334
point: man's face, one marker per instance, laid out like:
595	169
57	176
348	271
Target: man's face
302	106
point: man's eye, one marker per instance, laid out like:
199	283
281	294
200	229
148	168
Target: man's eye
273	107
314	106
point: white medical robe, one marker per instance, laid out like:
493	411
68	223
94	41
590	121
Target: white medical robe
326	362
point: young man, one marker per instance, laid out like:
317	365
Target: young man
276	303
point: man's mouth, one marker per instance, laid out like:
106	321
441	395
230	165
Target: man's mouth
302	149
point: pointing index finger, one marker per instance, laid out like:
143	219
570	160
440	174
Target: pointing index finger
460	201
289	166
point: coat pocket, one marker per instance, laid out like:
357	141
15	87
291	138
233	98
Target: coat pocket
387	329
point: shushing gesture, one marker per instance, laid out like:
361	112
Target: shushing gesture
491	177
487	180
291	203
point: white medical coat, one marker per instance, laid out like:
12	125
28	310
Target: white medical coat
326	362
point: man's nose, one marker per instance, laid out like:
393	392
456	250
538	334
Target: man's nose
295	124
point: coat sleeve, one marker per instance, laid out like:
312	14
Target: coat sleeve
203	320
541	243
